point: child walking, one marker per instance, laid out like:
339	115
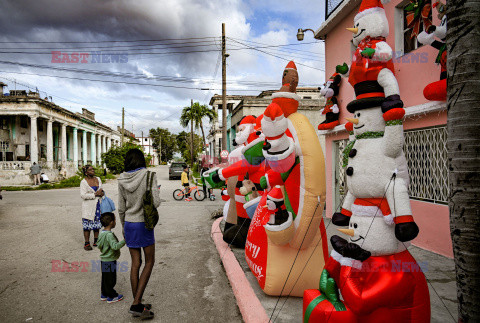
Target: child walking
110	247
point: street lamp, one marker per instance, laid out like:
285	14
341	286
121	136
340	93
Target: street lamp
300	33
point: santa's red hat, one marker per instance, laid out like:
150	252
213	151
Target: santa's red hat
258	123
248	120
291	66
369	6
275	194
273	112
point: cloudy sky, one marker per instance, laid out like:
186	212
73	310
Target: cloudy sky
168	52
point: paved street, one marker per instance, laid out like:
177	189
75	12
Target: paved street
37	228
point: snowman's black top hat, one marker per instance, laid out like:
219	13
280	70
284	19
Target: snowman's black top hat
369	94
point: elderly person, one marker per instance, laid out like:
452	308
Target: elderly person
132	185
91	192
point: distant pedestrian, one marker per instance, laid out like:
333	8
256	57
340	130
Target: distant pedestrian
91	192
185	178
132	185
35	170
204	169
44	178
110	248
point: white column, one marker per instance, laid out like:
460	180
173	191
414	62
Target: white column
50	143
75	146
94	150
64	145
104	144
109	143
84	148
33	140
99	147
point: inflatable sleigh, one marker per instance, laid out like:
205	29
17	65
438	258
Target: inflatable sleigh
285	255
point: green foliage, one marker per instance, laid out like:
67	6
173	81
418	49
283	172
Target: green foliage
183	142
195	114
163	141
115	157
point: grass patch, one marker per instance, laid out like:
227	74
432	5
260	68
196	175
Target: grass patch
73	181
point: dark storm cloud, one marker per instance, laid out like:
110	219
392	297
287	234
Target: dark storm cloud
93	20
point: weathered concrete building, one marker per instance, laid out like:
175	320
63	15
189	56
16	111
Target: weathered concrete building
36	130
239	106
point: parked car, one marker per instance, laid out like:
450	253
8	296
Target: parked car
176	169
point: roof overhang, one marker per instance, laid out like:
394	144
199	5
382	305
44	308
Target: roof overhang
338	15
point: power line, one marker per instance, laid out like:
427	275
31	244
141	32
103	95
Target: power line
279	57
140	76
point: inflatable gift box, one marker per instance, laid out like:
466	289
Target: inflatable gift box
324	305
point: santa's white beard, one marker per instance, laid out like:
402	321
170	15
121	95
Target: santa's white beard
242	137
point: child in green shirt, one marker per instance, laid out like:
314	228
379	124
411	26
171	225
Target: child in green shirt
110	247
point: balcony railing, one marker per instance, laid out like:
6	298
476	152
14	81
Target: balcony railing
330	6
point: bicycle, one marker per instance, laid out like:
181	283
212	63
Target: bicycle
199	194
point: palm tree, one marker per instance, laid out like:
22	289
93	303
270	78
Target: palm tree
463	143
197	113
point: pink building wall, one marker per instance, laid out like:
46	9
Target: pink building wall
412	76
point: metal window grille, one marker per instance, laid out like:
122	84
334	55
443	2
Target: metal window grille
340	176
330	6
426	153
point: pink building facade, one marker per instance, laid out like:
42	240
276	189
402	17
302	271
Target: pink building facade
425	121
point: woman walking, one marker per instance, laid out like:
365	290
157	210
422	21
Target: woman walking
132	185
90	191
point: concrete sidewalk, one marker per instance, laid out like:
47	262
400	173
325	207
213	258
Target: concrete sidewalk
440	274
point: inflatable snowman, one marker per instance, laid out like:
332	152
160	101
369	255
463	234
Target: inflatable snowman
378	278
376	164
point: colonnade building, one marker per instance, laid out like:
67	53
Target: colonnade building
33	129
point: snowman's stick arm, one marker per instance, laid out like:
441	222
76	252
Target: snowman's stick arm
393	140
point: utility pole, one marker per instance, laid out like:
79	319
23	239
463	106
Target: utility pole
224	91
123	124
191	134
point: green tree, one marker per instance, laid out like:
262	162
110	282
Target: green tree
164	142
115	157
463	142
183	144
197	113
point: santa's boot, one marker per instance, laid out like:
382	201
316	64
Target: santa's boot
237	234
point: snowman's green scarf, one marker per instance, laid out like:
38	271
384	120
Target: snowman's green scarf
365	135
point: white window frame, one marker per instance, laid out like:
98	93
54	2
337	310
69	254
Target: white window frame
400	30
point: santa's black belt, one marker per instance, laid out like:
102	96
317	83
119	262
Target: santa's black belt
367	87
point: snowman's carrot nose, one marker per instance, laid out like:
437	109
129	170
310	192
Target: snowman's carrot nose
349	232
352	120
353	30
